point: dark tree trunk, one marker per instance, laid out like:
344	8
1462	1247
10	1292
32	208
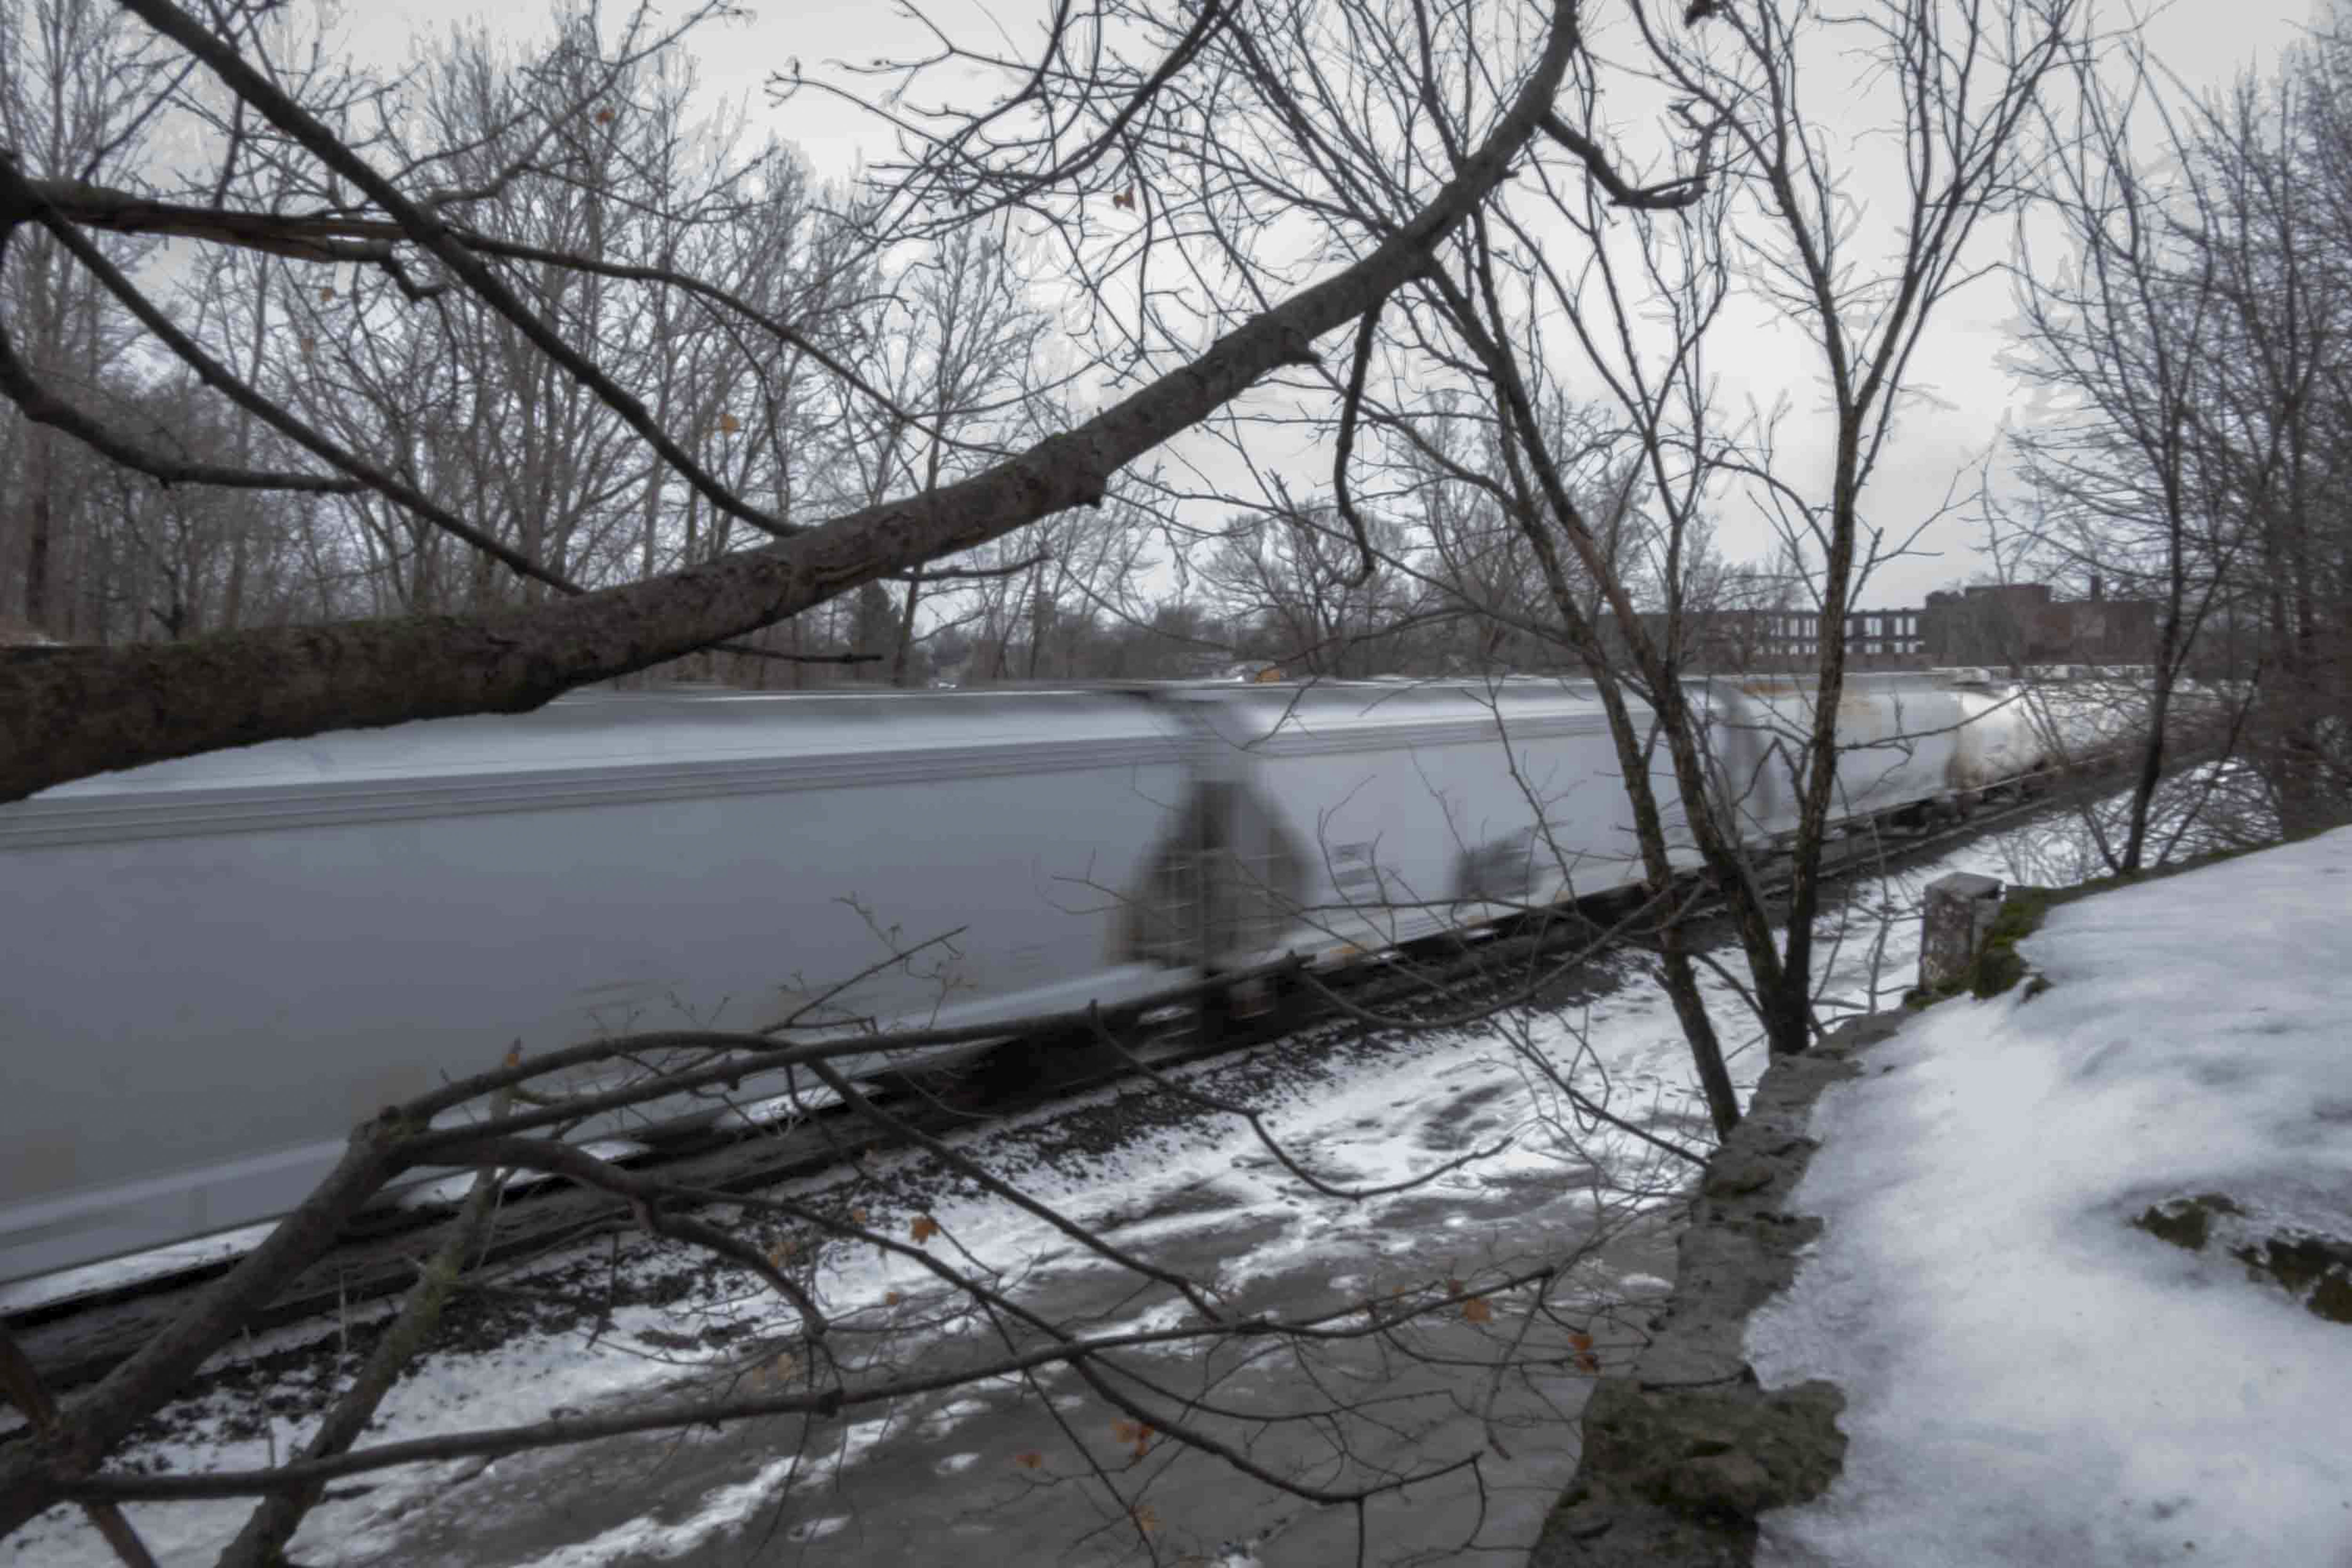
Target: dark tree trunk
40	523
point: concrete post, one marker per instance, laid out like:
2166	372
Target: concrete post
1959	913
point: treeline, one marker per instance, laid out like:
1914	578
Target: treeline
549	485
904	364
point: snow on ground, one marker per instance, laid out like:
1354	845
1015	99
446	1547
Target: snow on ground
116	1273
1198	1189
2030	1377
1357	1126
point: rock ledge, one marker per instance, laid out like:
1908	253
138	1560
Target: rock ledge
1681	1455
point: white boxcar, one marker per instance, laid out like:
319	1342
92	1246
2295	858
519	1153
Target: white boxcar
213	968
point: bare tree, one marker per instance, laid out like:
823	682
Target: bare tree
77	95
502	217
1638	302
77	712
2123	489
2273	413
1291	577
1483	561
607	483
2182	340
951	343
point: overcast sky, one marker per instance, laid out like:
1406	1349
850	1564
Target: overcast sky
2205	42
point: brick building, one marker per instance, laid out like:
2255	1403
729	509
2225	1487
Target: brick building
2011	624
2002	626
1874	639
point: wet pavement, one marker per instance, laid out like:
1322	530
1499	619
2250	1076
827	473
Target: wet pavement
1045	1469
1024	1472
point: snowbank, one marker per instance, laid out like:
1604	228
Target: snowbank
2029	1377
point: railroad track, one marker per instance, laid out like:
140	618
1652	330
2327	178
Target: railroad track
76	1339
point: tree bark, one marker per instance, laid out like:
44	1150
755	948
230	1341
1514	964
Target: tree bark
40	528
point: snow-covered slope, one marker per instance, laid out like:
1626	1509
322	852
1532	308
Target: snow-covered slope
2029	1377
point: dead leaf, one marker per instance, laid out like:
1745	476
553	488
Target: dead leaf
924	1228
514	1055
1145	1519
858	1216
604	117
1582	1342
1476	1311
1030	1460
1454	1286
325	295
890	1298
1125	198
728	423
309	345
1136	1434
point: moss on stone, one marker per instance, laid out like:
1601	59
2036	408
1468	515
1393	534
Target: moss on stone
1710	1453
2315	1269
2331	1299
2186	1223
2306	1263
1998	965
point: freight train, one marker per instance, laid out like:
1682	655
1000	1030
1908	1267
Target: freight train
214	967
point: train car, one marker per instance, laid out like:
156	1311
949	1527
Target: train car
1899	739
216	967
1339	818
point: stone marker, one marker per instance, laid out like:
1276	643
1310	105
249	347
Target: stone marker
1958	916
